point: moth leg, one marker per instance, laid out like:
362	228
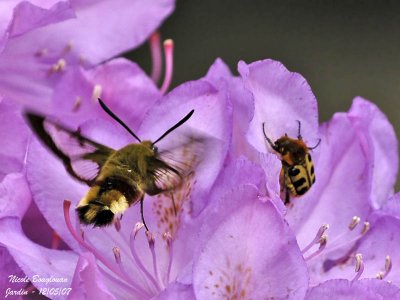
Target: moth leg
173	203
142	214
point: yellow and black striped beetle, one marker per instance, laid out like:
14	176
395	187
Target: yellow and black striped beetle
297	173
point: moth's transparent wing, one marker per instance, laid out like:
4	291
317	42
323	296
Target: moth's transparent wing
173	165
82	157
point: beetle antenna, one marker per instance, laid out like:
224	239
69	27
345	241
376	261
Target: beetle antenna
312	148
175	126
267	138
112	115
299	131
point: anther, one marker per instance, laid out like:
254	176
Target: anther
317	237
169	62
388	264
59	66
155	49
82	59
359	269
138	226
388	268
366	228
42	52
117	254
354	222
150	239
77	104
97	89
68	47
168	238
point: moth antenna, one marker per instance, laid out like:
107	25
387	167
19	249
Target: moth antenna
299	131
175	126
112	115
142	214
267	138
312	148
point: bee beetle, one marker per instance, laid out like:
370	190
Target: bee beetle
297	173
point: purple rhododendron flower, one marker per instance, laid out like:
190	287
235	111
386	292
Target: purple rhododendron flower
225	233
41	42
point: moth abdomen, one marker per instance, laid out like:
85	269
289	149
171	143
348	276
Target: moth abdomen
106	199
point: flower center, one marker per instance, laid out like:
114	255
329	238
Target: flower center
153	279
230	282
57	61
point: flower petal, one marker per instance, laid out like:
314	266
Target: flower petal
14	135
210	121
15	196
50	185
87	282
18	17
384	146
36	260
121	84
369	289
36	60
252	253
8	267
28	16
242	103
343	183
176	291
281	97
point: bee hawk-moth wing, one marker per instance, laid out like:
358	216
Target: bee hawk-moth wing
82	157
172	165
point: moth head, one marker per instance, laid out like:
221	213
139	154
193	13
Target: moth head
95	213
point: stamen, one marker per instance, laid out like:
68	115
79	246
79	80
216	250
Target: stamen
67	217
366	228
138	226
359	266
117	224
82	60
41	52
379	275
322	244
59	66
68	47
336	245
168	238
97	89
354	222
388	264
317	238
388	268
156	59
77	104
136	257
151	240
117	255
169	61
55	241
